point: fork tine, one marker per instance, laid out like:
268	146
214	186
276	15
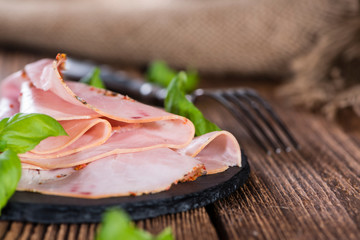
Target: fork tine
242	94
254	95
218	96
245	109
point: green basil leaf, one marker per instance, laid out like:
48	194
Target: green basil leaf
22	132
166	234
10	173
160	73
94	79
116	224
177	103
3	123
192	80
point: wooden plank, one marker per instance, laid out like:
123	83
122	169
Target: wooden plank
307	194
92	231
50	233
26	232
3	228
39	232
83	232
61	233
15	231
73	231
194	224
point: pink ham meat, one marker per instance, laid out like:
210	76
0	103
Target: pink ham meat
134	173
93	132
112	139
34	100
216	150
129	138
104	102
117	175
10	87
8	107
9	93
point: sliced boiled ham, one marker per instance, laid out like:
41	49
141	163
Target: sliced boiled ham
10	93
216	150
112	139
82	134
104	102
117	175
8	107
35	70
10	86
129	138
34	100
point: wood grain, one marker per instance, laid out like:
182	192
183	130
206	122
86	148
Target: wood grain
308	194
311	193
193	224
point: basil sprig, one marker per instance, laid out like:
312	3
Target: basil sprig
177	103
22	132
93	78
10	173
116	224
18	134
160	73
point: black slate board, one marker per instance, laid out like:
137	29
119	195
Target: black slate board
35	207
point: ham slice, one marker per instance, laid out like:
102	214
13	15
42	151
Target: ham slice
82	134
8	107
34	72
10	86
10	92
132	138
104	102
34	100
117	175
112	139
216	150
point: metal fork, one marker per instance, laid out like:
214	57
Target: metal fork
245	104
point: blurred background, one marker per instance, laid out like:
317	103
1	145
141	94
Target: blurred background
305	52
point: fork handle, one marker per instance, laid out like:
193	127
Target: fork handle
118	81
133	87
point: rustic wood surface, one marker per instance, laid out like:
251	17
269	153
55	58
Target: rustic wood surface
311	193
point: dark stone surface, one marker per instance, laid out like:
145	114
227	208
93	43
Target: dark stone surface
35	207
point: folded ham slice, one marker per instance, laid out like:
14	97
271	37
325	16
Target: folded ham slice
82	134
34	100
8	107
104	102
112	139
9	93
130	138
216	150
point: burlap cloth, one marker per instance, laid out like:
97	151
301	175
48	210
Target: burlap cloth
314	44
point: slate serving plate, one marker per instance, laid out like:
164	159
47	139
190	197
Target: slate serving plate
35	207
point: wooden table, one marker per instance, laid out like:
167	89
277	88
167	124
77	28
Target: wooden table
313	193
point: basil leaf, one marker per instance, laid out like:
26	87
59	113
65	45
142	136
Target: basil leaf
192	80
22	132
10	172
177	103
166	234
160	73
19	134
94	79
116	224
